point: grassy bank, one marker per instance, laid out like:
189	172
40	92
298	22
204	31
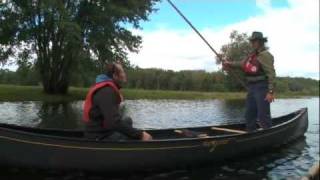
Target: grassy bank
35	93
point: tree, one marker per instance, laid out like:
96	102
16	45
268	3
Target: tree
63	33
236	50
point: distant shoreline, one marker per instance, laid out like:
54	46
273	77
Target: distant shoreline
35	93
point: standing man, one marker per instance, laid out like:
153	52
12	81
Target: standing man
101	109
260	75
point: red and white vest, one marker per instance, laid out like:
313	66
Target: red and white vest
252	66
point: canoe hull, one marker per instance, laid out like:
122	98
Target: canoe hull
32	150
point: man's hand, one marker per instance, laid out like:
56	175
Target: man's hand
146	136
269	97
226	64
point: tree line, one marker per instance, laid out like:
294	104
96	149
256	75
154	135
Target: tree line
159	79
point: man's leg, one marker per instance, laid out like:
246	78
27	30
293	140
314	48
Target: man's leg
117	136
264	115
251	112
127	120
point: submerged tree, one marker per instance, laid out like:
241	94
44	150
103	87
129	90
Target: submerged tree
63	33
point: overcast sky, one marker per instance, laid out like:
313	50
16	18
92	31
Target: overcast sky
292	28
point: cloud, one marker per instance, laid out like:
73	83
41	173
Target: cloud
170	49
293	34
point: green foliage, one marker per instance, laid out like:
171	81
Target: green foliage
169	80
63	34
236	50
35	93
26	73
297	84
158	79
8	77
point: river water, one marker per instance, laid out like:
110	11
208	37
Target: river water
290	161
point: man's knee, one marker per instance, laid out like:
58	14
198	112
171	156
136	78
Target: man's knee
127	120
117	136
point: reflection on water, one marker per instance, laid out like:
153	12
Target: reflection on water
42	114
290	161
183	113
58	115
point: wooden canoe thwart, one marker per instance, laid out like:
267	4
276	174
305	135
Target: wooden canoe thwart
189	133
228	130
170	148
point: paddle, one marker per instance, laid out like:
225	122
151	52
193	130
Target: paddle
207	43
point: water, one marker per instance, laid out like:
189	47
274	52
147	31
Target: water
290	161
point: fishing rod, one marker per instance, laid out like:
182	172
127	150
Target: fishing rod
208	44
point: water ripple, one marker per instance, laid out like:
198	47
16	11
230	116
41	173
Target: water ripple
291	161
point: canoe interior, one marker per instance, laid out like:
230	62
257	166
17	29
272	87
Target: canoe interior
156	133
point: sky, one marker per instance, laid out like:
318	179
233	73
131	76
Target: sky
292	28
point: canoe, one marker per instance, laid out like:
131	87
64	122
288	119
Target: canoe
171	148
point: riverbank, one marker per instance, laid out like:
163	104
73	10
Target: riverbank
35	93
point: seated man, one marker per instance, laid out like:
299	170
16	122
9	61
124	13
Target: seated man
101	109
